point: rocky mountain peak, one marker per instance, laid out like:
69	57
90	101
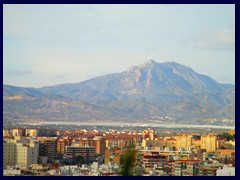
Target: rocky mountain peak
148	64
150	61
143	91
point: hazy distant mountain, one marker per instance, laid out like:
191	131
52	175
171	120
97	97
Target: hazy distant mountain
30	103
10	91
146	91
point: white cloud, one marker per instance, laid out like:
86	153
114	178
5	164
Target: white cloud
222	40
18	72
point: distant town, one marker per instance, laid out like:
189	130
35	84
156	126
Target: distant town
92	151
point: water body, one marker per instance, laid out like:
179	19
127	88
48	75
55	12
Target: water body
124	124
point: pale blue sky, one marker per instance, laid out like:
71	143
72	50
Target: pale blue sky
53	44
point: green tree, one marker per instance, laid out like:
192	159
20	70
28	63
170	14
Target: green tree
78	159
128	162
226	136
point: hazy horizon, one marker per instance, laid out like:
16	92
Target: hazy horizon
46	45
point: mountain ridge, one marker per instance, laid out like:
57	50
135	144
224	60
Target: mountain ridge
145	91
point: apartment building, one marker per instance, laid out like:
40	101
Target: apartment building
61	145
183	141
186	168
209	143
20	152
48	148
88	153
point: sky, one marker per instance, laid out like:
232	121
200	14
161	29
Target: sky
46	45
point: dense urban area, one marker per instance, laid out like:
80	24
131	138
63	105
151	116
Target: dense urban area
109	151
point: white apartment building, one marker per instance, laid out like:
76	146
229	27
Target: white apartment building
21	152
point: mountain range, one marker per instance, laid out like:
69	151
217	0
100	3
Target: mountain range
145	92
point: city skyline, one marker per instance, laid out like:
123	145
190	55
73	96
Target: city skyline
87	151
54	44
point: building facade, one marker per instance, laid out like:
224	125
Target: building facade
88	153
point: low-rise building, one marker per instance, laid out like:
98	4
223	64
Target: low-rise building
226	171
